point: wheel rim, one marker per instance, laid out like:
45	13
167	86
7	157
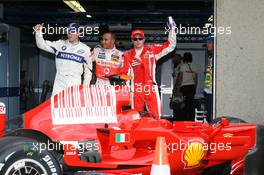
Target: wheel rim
26	167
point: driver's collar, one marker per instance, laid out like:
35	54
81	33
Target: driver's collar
74	43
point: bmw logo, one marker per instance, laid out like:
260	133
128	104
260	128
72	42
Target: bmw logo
63	47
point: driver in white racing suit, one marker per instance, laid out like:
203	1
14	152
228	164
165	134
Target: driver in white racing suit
108	60
70	56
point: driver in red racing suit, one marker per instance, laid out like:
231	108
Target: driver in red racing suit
142	58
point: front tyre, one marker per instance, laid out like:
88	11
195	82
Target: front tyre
20	157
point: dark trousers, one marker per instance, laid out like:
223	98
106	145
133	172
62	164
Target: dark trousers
188	112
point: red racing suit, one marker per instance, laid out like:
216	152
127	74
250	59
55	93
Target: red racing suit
145	89
108	62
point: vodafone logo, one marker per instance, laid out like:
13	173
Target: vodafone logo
106	71
2	108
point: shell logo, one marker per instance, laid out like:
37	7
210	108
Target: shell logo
194	154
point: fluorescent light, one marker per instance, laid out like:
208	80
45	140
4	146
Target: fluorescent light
76	6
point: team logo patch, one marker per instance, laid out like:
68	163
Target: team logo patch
135	63
115	57
101	55
106	71
80	51
70	56
63	48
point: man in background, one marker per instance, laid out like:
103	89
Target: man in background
208	83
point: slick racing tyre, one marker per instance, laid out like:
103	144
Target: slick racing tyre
22	156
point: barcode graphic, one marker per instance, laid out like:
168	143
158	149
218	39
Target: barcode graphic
84	104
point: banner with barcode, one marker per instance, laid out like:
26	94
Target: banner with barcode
84	104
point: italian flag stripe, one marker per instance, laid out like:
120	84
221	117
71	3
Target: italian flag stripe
122	138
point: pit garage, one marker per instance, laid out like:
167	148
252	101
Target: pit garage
24	79
27	76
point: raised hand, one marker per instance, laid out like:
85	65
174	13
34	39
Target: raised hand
38	27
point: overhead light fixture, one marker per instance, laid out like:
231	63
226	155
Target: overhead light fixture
76	6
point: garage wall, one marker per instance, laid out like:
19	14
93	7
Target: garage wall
47	69
38	66
9	71
240	60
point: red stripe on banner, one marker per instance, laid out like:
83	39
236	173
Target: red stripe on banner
107	96
67	98
100	98
81	96
85	96
70	97
94	98
104	97
72	94
55	98
111	97
61	99
89	96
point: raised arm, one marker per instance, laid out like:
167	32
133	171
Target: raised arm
48	46
166	47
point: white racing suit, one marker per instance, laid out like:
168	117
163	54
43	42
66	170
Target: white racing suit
70	59
108	62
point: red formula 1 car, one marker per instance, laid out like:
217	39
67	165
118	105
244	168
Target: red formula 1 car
86	130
